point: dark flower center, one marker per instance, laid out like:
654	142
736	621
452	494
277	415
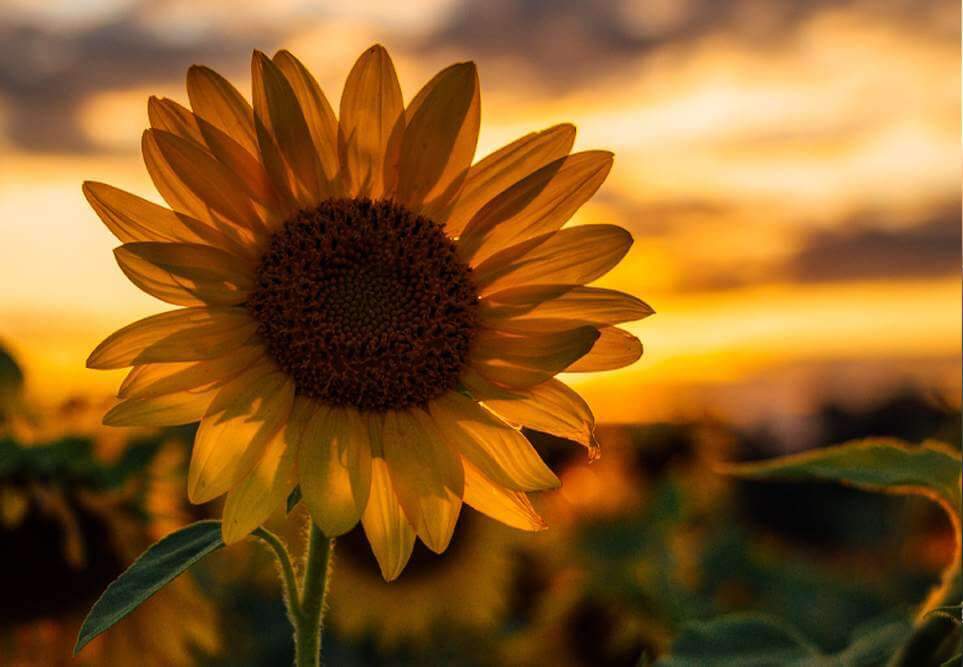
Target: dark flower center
365	304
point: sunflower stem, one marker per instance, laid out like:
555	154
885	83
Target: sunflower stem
314	592
291	592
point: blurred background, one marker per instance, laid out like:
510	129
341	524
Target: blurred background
790	172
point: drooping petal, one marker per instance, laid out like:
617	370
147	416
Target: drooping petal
441	132
317	112
371	126
563	302
426	474
540	203
391	536
151	380
525	360
246	413
550	407
187	274
182	407
494	447
334	468
207	179
615	348
217	101
498	171
512	508
277	112
576	255
186	334
255	497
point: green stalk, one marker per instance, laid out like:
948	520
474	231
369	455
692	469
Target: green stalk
314	591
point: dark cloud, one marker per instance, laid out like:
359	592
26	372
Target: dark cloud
45	75
857	251
568	40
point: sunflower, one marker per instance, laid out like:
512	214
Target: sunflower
364	312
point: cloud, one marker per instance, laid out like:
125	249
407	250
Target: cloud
47	73
858	251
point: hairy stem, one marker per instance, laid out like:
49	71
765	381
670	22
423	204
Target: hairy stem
314	591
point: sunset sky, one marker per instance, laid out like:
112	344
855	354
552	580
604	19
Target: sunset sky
795	205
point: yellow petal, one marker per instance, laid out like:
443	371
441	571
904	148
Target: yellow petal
182	407
371	125
186	334
497	449
389	533
615	348
426	474
524	360
277	112
252	501
570	256
562	302
131	218
187	274
495	173
214	99
207	179
151	380
317	112
441	132
512	508
541	202
246	413
550	407
170	116
334	468
169	184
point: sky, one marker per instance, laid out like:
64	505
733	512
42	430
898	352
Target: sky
789	170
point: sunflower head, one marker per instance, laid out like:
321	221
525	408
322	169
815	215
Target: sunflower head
366	313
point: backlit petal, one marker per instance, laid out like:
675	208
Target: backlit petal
550	407
441	132
498	171
426	474
564	302
187	274
276	111
512	508
186	334
371	126
524	360
182	407
151	380
494	447
217	101
252	501
334	468
541	202
391	536
570	256
615	348
317	112
246	413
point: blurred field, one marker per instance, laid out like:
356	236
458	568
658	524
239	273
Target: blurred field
790	173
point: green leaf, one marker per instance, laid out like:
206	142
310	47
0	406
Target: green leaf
739	640
930	469
158	566
955	661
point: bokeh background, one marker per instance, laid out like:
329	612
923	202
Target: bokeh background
790	172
